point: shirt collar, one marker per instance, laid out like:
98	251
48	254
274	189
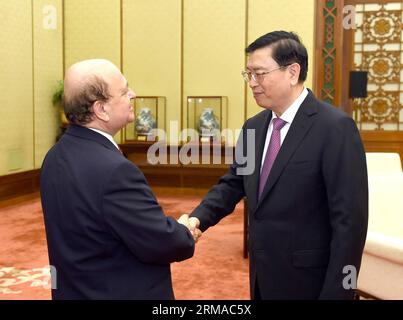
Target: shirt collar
292	110
106	135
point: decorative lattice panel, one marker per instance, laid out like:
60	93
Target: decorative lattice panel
329	52
378	41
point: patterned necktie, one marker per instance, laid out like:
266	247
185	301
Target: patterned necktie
271	153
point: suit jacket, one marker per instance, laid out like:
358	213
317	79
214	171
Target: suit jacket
107	236
310	223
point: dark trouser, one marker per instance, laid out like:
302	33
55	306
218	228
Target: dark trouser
256	294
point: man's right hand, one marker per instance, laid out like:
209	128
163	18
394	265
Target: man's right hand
192	224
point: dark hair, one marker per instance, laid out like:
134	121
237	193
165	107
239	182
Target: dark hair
77	105
287	49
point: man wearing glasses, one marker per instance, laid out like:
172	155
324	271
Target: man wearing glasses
308	195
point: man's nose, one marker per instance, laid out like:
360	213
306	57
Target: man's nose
132	94
252	83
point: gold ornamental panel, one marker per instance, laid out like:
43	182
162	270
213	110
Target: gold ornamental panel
378	44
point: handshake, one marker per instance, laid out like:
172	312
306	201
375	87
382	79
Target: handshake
192	223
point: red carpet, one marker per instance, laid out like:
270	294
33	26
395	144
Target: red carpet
217	270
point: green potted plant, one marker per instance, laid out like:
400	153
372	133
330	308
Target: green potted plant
57	100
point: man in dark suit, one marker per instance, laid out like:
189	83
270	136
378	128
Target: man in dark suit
308	194
107	236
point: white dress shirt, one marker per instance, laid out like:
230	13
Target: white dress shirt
107	136
287	116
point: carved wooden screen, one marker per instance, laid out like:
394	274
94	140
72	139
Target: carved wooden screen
378	44
374	45
328	43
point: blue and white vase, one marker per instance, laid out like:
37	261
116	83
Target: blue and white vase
208	124
145	122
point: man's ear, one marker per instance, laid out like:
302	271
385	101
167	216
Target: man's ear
294	70
99	111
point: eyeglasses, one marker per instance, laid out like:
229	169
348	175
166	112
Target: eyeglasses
258	77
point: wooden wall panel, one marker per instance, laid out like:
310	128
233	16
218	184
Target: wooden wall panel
152	52
214	43
16	87
48	69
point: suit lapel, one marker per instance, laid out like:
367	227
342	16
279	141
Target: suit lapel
299	128
260	136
